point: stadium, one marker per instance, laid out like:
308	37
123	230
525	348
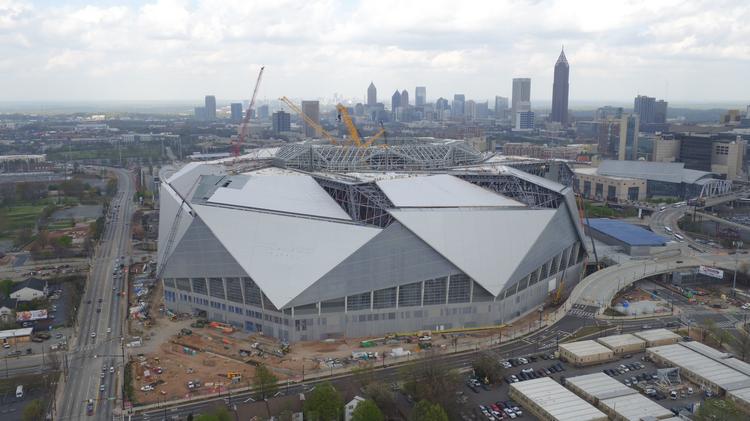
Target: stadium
303	244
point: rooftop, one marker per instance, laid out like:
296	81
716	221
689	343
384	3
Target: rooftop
614	341
600	386
13	333
560	403
656	335
582	348
33	283
630	234
670	172
636	406
713	371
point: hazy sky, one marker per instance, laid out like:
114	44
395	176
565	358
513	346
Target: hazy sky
681	50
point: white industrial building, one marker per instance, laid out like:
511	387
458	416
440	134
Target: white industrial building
657	337
614	398
621	344
308	243
585	352
550	401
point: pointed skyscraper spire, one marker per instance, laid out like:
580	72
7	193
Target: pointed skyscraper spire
562	58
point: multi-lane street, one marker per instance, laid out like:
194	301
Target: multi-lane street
93	365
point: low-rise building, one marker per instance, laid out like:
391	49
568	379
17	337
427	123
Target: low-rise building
657	337
622	344
351	406
585	352
618	401
13	336
7	308
549	401
29	289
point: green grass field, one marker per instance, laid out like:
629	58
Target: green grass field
18	217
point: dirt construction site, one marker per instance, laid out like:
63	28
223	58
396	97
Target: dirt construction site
182	360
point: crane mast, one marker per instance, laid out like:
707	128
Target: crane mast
244	126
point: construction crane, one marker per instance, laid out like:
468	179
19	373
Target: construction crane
353	132
308	120
244	126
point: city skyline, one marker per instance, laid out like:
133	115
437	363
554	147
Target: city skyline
172	50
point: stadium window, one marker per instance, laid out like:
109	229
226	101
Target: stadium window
306	309
216	288
410	295
555	265
234	290
252	292
332	306
481	294
169	282
534	277
523	283
358	302
573	253
199	286
183	284
459	289
384	298
434	291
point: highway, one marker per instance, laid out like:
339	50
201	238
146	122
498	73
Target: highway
87	355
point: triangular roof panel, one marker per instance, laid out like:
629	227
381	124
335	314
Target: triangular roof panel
486	244
283	254
441	190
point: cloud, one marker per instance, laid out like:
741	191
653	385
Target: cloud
178	49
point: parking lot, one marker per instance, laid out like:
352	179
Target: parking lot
633	371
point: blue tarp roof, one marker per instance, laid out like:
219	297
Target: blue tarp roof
627	233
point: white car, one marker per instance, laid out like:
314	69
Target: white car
109	330
93	334
111	369
146	388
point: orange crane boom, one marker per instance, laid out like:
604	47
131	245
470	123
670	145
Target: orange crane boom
308	120
243	129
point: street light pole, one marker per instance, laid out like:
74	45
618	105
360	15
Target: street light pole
737	245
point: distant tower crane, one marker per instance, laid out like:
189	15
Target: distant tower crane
244	126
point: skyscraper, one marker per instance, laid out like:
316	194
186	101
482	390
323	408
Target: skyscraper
210	107
644	106
501	107
263	111
521	92
660	112
281	122
457	108
420	96
395	100
236	109
311	110
404	98
372	95
560	90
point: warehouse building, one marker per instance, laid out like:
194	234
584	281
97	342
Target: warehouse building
634	240
14	336
623	344
708	373
297	245
585	352
657	337
618	401
741	397
549	401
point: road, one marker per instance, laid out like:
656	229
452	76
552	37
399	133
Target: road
88	355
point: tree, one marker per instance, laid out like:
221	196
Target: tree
111	186
265	382
719	410
6	285
367	410
425	410
428	378
383	397
742	343
707	326
34	411
324	404
487	367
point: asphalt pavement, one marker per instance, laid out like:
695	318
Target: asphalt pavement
89	355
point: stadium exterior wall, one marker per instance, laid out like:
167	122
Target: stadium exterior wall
320	325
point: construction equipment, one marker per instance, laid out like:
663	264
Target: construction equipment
309	120
243	129
225	328
353	132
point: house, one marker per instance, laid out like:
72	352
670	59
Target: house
7	308
351	406
29	289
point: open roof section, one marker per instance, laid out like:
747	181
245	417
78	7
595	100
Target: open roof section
440	190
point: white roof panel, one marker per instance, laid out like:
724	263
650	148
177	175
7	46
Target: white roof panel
600	386
293	193
441	190
635	407
560	403
283	254
184	180
486	244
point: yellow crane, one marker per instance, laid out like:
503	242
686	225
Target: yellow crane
308	120
353	132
